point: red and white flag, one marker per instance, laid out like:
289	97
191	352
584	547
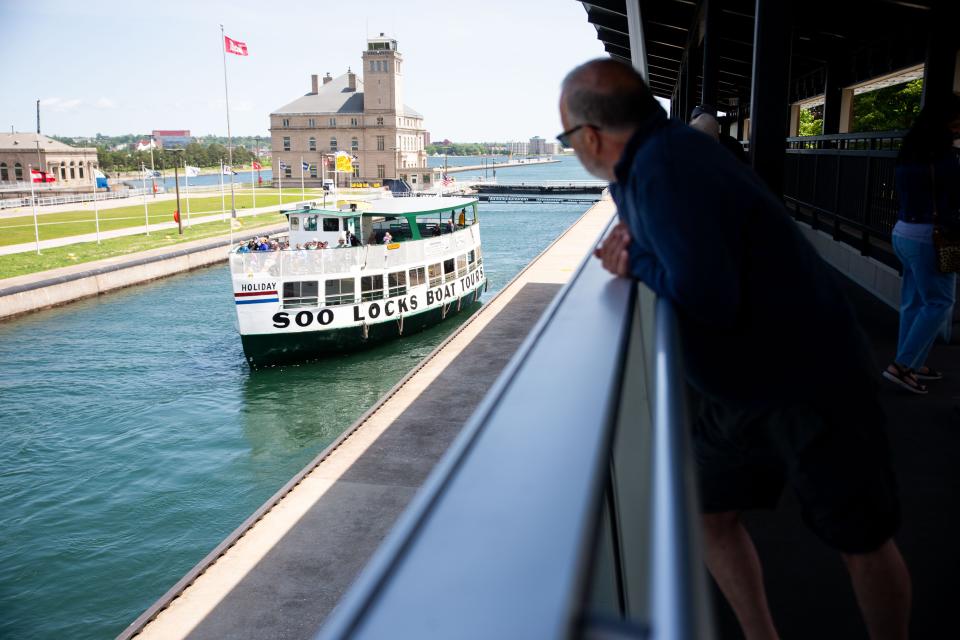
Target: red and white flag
235	47
40	176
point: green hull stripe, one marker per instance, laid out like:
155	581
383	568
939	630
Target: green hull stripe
269	349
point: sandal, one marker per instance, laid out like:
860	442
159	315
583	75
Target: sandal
904	377
928	373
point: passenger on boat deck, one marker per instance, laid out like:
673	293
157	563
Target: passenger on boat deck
387	238
463	218
243	249
264	246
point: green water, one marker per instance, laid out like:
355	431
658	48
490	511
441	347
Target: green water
134	438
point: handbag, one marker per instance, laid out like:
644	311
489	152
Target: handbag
946	239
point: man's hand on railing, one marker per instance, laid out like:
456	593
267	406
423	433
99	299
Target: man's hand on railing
613	251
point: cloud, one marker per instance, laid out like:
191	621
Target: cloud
61	104
105	103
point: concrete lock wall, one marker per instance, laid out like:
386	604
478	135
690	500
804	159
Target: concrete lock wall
51	292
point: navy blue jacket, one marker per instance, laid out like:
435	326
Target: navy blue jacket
915	187
763	319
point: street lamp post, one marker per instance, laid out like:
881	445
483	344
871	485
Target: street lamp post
176	183
259	179
153	178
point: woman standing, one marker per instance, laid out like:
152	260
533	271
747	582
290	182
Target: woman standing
928	183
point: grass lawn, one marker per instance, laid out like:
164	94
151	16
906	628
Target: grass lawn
23	263
71	223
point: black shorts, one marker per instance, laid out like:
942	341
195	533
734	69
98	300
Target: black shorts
835	457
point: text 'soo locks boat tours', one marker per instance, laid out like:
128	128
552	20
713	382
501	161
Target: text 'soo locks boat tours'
417	261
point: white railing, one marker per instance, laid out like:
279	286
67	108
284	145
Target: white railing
299	262
45	201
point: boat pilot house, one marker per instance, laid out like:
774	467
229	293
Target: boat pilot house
356	274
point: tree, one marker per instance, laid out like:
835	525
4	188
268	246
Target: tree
888	109
809	124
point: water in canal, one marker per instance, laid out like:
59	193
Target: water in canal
135	438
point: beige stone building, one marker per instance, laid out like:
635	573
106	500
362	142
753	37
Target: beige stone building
72	166
365	117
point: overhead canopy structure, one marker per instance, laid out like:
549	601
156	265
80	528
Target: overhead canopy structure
871	37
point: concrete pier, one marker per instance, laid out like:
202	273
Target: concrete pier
501	165
284	570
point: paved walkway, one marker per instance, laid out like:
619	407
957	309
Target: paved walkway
284	575
807	583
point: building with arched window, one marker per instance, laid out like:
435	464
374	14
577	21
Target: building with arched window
386	138
71	166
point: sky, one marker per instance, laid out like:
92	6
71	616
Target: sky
478	71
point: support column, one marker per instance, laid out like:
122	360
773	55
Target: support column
794	129
638	47
838	77
939	69
711	53
741	117
846	111
682	86
769	110
690	84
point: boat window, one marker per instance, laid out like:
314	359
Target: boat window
294	223
300	294
479	256
436	276
340	291
399	228
310	223
462	265
418	277
331	224
371	288
449	270
397	284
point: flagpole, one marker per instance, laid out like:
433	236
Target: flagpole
33	199
223	202
303	192
253	183
186	189
280	184
146	215
226	94
96	207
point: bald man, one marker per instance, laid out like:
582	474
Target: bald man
784	372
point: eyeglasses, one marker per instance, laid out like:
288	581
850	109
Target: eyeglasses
564	138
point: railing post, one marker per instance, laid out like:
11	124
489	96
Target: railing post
835	231
867	209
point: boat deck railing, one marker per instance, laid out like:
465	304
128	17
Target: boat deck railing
344	260
566	506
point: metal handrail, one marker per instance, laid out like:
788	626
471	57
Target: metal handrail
503	539
678	584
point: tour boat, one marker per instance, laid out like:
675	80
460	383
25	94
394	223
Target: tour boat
416	261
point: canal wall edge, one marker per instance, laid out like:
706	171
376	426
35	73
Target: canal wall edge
47	292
